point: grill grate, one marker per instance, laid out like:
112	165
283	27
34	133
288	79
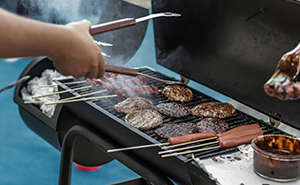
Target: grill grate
237	119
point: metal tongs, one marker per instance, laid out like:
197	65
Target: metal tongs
135	72
122	23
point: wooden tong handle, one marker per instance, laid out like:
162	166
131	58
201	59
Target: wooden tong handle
113	25
121	70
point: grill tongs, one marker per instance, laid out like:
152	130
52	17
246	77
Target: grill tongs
122	23
135	72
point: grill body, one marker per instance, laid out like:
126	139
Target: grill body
101	117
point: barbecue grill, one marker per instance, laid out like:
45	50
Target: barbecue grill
231	47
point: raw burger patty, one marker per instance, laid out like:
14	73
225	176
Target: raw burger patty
144	119
213	109
177	93
174	130
212	125
132	104
176	110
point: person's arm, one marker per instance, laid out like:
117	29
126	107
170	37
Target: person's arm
70	46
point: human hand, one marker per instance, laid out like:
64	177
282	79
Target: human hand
75	52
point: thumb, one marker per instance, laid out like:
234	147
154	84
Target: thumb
86	23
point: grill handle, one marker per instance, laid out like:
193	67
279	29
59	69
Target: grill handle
113	25
121	70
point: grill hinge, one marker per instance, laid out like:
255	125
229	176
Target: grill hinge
274	122
184	80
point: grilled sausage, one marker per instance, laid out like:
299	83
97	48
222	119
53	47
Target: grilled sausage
238	129
234	142
190	137
239	134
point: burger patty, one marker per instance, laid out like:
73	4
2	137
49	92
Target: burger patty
174	130
212	125
133	104
177	93
176	110
213	109
144	119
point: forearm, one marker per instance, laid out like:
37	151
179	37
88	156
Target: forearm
71	46
23	37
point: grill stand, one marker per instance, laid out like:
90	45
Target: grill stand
152	175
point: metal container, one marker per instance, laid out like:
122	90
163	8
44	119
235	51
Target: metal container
277	157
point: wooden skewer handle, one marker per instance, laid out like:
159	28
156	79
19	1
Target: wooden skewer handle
113	25
121	70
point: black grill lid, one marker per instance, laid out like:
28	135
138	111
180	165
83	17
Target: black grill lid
231	46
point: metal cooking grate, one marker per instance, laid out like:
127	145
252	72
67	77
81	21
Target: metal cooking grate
237	119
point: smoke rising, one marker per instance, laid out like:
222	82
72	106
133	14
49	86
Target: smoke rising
56	11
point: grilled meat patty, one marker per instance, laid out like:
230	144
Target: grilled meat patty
215	125
133	104
177	93
173	109
213	109
174	130
144	119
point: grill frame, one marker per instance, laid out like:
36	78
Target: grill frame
180	169
177	167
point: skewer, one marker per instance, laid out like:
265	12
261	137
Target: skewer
83	95
175	145
59	92
29	102
152	145
188	147
136	147
215	142
82	99
67	83
191	151
74	97
191	142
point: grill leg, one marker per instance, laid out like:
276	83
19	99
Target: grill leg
135	164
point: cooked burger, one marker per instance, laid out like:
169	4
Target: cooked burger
177	93
213	109
174	130
144	119
133	104
212	125
176	110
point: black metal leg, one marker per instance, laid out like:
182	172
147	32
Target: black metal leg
133	162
